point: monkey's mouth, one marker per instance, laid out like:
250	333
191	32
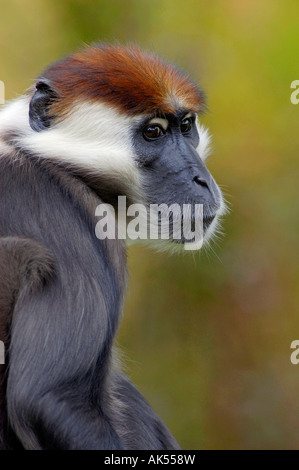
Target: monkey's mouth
207	221
191	231
180	224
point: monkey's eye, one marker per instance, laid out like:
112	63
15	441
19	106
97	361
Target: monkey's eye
153	132
186	125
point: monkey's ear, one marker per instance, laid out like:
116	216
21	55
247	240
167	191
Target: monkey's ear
43	96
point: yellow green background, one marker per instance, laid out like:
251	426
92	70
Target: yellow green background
206	337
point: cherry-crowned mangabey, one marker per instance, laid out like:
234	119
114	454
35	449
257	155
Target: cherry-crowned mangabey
105	122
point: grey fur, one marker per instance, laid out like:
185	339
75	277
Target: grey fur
64	290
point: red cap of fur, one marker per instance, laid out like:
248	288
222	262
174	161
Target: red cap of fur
122	77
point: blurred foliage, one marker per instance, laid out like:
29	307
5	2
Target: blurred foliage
207	337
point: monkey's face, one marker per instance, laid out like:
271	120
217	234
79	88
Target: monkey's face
174	177
155	161
127	122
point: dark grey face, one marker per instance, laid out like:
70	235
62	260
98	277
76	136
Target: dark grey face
171	168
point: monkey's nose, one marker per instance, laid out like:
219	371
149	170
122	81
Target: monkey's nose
200	181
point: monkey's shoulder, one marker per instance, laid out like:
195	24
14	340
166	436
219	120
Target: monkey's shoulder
33	187
45	202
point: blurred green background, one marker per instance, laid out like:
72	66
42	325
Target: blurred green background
206	338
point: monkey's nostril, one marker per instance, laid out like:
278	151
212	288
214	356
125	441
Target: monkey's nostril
200	181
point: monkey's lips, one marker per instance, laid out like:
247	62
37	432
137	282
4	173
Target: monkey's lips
196	234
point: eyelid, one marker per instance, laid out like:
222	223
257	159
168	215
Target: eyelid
159	122
188	115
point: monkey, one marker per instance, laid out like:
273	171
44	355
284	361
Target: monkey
108	120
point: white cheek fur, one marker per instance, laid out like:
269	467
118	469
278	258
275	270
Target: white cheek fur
204	146
92	137
204	149
14	115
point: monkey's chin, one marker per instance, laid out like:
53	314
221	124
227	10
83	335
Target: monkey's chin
182	245
193	246
171	246
203	240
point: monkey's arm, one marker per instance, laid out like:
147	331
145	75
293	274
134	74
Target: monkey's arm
43	412
61	331
137	424
24	264
49	396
